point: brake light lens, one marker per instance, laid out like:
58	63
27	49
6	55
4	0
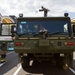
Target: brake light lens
18	44
70	43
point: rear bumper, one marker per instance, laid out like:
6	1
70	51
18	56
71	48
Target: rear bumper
43	50
44	46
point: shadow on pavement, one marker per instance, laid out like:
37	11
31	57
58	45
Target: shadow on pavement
47	68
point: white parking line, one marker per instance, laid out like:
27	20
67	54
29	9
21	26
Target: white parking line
2	64
74	55
9	53
73	58
72	70
16	72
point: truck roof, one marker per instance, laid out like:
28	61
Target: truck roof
43	18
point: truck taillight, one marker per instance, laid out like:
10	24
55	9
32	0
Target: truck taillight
18	44
70	43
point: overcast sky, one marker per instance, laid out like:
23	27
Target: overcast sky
31	7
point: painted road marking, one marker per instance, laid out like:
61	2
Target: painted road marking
74	55
2	64
72	70
9	53
16	72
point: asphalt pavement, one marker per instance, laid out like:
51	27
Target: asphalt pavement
11	62
13	67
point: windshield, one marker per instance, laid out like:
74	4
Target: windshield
34	27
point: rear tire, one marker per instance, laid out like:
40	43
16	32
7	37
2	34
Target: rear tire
59	62
64	62
25	62
67	61
71	59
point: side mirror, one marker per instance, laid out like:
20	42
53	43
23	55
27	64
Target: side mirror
73	28
13	30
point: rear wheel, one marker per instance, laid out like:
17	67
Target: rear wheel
59	62
25	62
68	60
64	62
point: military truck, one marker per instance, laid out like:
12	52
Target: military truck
44	39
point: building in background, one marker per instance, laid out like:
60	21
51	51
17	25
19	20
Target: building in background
73	21
6	42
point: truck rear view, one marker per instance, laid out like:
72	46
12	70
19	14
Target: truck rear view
44	39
